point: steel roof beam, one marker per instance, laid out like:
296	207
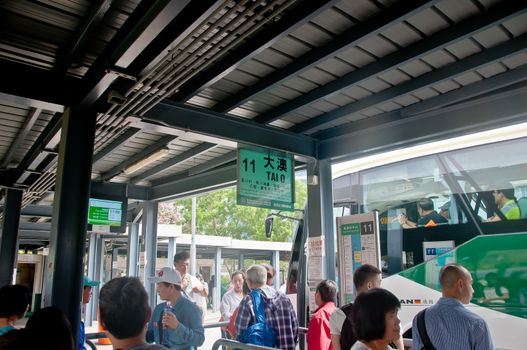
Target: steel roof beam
387	132
141	28
394	14
132	192
119	168
190	15
200	183
207	122
509	79
95	14
303	13
129	133
180	158
216	162
45	211
34	113
470	63
37	84
491	84
446	37
48	139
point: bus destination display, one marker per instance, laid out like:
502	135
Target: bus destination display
105	212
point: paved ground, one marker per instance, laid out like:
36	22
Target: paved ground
211	334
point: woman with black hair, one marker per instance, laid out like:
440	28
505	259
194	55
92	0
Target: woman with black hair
375	320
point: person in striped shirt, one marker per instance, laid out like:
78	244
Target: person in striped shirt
449	325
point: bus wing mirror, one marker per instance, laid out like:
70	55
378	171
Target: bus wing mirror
268	226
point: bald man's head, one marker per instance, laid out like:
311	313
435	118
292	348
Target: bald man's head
456	282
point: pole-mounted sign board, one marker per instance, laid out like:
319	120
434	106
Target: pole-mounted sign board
266	179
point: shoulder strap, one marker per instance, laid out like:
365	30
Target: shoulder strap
421	327
258	306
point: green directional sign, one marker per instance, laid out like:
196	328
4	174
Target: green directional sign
266	179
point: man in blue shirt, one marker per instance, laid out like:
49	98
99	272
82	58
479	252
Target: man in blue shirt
175	323
450	326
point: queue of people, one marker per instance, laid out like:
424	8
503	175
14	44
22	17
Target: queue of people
258	314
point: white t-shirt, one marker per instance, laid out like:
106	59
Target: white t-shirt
336	320
490	292
194	282
229	303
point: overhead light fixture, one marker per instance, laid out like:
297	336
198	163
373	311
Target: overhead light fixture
146	161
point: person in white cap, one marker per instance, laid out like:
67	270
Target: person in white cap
176	323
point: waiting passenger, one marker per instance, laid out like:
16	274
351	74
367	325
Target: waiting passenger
231	300
125	313
190	284
87	291
175	323
428	217
506	203
448	324
279	312
271	272
14	303
232	322
52	329
318	334
343	337
375	320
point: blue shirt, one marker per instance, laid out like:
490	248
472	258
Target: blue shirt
450	326
188	334
5	329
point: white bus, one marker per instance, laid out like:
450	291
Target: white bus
460	178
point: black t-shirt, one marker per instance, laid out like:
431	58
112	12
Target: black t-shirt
433	216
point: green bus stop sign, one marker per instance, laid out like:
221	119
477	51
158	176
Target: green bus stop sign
266	179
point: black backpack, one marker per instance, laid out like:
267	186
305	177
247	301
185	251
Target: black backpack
347	335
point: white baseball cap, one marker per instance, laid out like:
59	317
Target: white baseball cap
168	275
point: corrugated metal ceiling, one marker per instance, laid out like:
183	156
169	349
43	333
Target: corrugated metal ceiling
306	66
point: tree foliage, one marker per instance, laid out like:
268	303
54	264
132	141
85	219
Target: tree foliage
218	214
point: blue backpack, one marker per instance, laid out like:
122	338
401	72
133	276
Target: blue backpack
259	333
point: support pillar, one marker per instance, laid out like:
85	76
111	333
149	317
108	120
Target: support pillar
133	250
92	254
320	212
193	262
150	237
70	212
8	243
241	262
171	251
276	265
97	274
216	298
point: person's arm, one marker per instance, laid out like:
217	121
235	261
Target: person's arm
482	338
405	223
336	320
243	319
315	340
197	286
225	307
193	334
335	341
205	292
150	335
